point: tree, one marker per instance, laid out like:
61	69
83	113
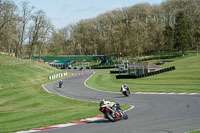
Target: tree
181	32
197	36
24	18
8	21
38	32
169	38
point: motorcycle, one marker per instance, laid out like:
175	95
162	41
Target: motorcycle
60	84
125	91
112	114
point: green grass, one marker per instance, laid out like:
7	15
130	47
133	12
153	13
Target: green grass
25	105
185	78
198	131
165	57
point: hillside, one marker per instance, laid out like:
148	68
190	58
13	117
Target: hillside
185	78
25	105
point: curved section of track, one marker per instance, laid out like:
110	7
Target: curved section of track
152	113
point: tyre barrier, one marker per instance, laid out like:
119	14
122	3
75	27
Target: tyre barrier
106	67
146	74
80	68
57	76
117	71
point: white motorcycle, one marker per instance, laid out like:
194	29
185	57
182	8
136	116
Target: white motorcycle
125	91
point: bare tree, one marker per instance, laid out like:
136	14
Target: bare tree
38	31
25	16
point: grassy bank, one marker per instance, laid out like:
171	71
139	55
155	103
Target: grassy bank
195	131
25	105
164	57
185	78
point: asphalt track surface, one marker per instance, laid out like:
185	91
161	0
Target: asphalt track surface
151	113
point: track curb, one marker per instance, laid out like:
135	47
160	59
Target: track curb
87	120
165	93
99	117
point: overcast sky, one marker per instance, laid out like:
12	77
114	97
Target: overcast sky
65	12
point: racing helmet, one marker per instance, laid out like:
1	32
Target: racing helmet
102	102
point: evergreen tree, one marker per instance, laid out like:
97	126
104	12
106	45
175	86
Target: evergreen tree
169	38
181	32
197	39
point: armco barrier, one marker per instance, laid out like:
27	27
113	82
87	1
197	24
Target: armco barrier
57	76
146	74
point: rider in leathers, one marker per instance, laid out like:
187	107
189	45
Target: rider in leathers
124	88
60	83
113	105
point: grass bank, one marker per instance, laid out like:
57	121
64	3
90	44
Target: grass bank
198	131
25	105
185	78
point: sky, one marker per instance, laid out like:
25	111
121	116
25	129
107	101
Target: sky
65	12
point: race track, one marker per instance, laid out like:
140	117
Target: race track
151	114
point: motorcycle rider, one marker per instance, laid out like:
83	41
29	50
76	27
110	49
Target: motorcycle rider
124	88
115	106
116	110
60	83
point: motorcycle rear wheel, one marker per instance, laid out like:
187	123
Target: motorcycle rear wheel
110	116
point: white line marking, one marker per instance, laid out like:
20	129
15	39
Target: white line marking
95	88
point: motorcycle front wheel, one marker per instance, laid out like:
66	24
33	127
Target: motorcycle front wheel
125	116
125	94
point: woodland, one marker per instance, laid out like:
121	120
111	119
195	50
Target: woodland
135	31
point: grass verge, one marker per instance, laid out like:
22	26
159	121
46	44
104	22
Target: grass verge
198	131
185	78
25	105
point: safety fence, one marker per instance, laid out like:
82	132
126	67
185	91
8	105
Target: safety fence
57	76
